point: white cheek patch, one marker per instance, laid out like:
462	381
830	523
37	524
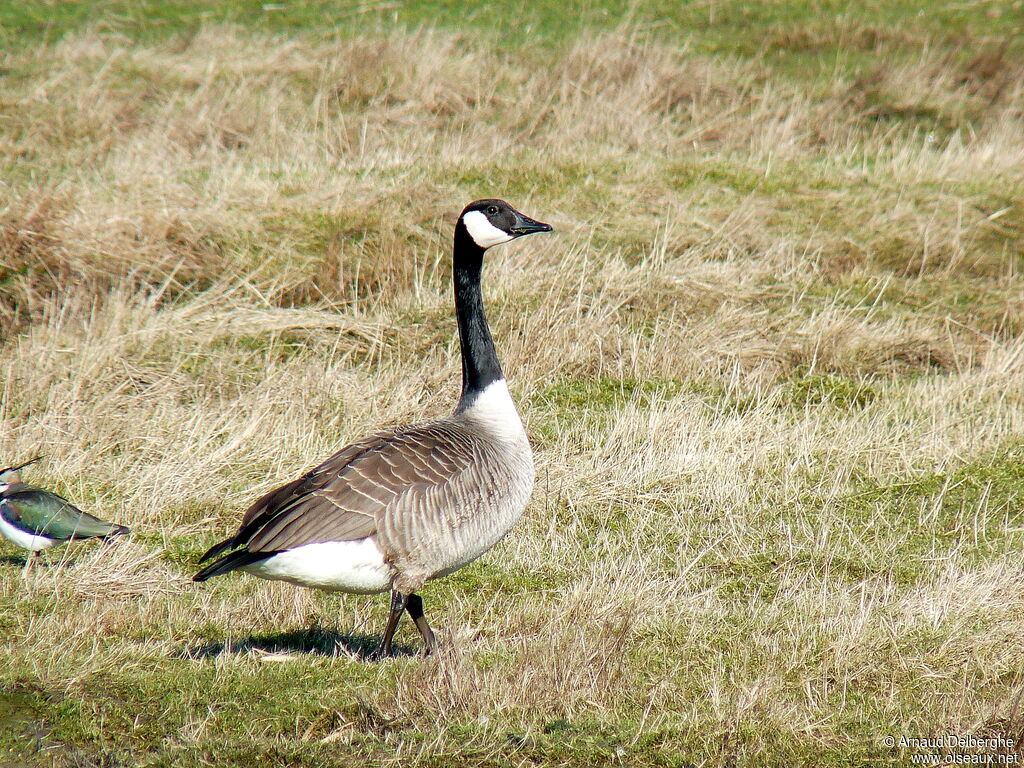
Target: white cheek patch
483	232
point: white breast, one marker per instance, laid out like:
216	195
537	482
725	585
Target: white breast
495	497
24	539
344	566
494	412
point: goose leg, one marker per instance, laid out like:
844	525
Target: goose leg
415	608
398	603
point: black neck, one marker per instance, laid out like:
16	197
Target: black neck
480	364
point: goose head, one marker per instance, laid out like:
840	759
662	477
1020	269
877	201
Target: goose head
493	222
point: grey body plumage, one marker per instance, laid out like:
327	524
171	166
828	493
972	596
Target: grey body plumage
403	506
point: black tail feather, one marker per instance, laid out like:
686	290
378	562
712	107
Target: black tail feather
230	562
218	549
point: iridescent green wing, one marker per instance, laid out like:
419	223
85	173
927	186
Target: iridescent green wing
42	513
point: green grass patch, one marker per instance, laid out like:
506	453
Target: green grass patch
799	37
838	391
603	393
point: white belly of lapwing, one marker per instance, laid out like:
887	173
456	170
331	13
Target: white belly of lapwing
24	539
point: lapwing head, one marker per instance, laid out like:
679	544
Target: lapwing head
12	475
493	222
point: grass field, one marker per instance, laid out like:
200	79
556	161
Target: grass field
771	363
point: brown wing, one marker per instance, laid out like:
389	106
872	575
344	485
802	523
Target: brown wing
345	498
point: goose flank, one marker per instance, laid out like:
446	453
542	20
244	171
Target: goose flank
414	503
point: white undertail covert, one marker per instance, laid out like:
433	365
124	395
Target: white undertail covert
346	566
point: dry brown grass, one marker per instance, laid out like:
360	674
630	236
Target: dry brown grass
771	364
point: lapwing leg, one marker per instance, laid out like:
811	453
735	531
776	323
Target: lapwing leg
32	557
415	609
398	603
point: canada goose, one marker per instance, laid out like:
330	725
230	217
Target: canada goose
37	519
412	503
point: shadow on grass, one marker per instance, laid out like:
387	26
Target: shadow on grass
315	641
13	560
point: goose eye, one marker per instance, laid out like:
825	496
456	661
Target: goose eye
493	209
